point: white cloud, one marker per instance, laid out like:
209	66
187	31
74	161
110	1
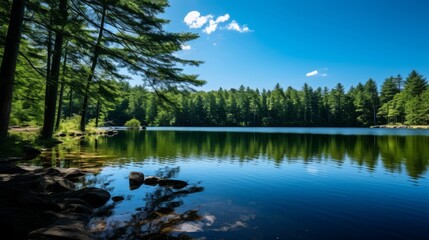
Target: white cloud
223	18
234	26
316	73
312	74
213	24
211	27
194	19
186	47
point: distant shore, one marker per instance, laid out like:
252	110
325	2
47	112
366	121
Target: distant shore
402	126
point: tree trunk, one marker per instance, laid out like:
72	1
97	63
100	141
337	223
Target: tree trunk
48	58
97	113
91	74
70	102
8	65
52	84
60	101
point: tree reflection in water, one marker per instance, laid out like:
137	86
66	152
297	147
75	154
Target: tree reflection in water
157	219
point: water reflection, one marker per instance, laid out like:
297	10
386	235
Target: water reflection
394	153
157	219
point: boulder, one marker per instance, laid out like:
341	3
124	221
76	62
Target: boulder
23	182
151	180
16	223
58	184
95	197
10	169
73	174
29	150
136	179
37	201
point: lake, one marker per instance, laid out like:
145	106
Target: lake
258	183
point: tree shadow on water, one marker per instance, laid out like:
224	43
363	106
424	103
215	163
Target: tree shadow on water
159	218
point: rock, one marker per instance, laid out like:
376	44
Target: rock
58	184
75	205
73	174
95	197
151	181
10	169
37	201
26	181
18	222
29	150
117	198
78	208
66	227
176	184
136	179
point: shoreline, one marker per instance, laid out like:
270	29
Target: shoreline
401	126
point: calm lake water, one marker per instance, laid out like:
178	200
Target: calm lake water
259	183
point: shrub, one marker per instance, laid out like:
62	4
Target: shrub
133	123
70	124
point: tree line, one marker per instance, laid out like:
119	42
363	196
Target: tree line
399	101
51	50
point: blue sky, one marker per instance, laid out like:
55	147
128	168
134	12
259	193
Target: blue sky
261	43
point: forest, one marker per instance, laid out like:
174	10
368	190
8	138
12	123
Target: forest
80	50
398	102
72	59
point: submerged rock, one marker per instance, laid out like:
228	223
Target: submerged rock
136	179
176	184
117	198
65	227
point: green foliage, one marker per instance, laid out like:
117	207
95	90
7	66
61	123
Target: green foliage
360	106
133	123
70	124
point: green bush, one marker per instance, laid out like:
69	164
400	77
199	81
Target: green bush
70	124
133	123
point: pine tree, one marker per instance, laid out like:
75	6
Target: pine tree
8	64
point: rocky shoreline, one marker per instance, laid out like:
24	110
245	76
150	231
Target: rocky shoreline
44	203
